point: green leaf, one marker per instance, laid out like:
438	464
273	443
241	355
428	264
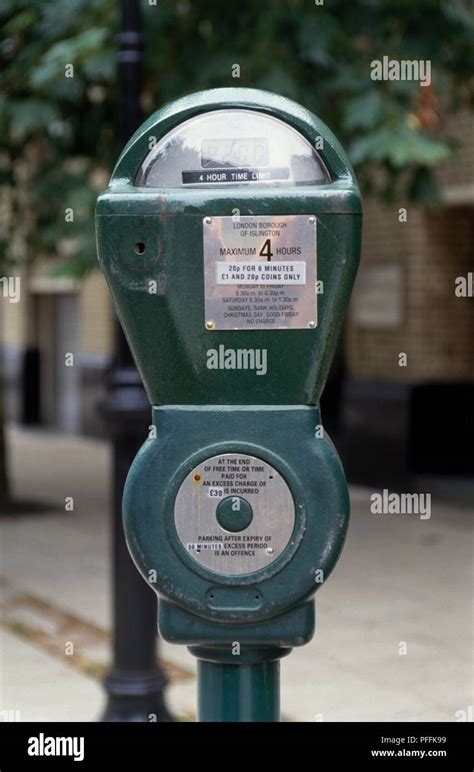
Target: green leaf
32	115
101	66
400	146
20	22
364	111
71	51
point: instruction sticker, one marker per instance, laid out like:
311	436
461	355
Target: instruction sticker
234	546
260	272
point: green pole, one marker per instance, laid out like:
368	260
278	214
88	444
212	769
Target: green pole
238	692
241	687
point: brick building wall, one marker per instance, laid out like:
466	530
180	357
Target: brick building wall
427	252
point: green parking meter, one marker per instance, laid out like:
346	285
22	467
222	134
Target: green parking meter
230	239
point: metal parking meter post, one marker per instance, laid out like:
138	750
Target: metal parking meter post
244	692
230	239
136	681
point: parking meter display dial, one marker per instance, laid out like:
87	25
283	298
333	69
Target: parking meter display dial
232	148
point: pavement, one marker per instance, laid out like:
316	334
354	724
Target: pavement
393	639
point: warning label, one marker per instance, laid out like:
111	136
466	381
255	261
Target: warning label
234	478
234	514
230	472
260	272
234	546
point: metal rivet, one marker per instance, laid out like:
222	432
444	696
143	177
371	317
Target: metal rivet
208	220
210	325
270	550
311	324
312	219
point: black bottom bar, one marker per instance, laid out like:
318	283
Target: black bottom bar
130	745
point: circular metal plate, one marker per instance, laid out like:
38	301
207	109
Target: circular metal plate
236	477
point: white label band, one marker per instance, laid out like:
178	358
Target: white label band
260	273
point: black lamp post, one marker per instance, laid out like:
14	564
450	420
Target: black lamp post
135	682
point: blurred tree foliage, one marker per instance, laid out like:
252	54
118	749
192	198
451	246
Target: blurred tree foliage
58	134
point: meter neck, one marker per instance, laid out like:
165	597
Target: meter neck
238	687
